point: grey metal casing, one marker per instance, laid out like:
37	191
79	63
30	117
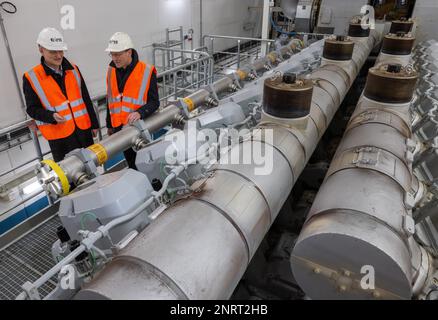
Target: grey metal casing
223	116
108	197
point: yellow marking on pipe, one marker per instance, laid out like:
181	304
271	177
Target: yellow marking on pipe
242	74
190	104
272	57
61	175
100	152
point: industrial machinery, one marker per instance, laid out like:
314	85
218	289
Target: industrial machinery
372	211
257	191
203	188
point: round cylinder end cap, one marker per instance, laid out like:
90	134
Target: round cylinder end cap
287	96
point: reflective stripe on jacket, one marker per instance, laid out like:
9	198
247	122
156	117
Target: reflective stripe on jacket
134	95
72	107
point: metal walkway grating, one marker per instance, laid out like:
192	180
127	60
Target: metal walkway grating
28	259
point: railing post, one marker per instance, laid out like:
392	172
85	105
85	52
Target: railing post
238	54
212	46
36	142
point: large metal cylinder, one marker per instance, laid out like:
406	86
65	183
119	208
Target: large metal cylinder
361	219
287	96
391	84
339	48
73	169
401	26
357	30
398	44
200	247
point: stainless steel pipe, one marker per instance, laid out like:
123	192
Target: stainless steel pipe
200	247
357	242
72	169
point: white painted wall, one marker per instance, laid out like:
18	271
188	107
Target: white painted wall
96	21
10	104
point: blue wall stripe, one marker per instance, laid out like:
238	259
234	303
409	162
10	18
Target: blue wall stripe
23	214
43	203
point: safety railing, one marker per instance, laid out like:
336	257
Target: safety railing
196	71
238	56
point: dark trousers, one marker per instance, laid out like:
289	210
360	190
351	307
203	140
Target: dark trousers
130	154
79	139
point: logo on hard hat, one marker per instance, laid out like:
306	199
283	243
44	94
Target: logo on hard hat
55	39
114	42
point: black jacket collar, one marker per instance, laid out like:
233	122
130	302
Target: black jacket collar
66	65
133	63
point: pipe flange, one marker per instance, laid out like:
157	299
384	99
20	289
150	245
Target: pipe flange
212	90
144	132
52	178
185	106
237	81
85	156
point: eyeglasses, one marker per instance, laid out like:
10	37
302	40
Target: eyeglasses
54	52
117	54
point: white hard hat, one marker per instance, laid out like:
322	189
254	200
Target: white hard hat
119	41
51	39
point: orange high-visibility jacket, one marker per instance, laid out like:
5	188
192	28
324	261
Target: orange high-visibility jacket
72	107
134	95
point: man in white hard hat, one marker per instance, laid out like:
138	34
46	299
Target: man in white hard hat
57	98
132	91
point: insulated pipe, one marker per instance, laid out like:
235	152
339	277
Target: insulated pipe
72	168
361	220
56	178
396	48
401	26
266	62
200	247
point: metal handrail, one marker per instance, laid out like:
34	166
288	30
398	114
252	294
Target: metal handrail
17	126
204	66
215	36
239	40
193	52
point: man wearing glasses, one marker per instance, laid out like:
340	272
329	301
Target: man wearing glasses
57	98
132	91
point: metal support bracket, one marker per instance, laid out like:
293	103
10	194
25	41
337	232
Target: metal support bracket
375	159
213	91
31	291
254	73
183	106
85	156
144	132
236	81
